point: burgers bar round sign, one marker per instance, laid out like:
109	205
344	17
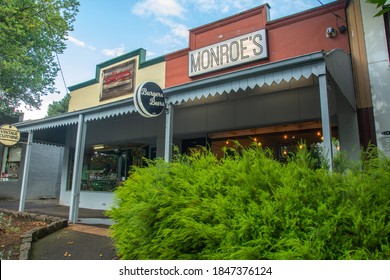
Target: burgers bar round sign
149	100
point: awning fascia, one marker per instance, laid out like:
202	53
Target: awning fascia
339	66
99	112
267	74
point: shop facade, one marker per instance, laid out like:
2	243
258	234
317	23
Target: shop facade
243	78
370	53
46	160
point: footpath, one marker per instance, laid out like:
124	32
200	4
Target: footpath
87	240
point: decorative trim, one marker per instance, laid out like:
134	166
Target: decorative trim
294	68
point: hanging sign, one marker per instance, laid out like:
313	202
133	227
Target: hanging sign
236	51
149	100
9	135
118	80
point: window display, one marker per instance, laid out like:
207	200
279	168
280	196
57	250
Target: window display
104	168
10	164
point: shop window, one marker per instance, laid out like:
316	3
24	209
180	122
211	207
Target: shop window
189	145
105	169
10	164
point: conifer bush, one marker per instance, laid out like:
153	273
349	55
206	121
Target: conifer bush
248	205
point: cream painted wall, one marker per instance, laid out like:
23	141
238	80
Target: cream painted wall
88	96
379	71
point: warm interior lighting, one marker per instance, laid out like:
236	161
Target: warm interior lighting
98	147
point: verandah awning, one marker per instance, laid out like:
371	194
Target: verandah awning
336	62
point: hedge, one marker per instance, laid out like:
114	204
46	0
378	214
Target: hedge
248	205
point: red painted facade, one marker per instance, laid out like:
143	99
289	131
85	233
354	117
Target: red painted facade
288	37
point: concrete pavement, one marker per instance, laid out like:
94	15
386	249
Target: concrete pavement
87	240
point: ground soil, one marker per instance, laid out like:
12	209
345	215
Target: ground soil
11	230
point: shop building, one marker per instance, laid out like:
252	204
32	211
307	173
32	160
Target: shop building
244	78
370	52
46	162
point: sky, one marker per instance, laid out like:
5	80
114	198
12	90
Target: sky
105	29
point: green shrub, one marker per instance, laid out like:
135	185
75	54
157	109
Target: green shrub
249	206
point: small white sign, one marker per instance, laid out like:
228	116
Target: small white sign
239	50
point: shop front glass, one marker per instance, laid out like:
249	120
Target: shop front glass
10	163
280	140
105	167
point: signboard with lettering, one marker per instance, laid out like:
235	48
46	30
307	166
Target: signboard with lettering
149	100
236	51
9	135
118	80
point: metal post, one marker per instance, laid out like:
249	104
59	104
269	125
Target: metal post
77	169
26	170
168	132
325	119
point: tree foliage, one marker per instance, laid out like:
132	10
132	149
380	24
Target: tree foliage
31	33
380	4
250	206
58	107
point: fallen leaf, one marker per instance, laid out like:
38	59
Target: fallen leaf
70	242
101	255
67	254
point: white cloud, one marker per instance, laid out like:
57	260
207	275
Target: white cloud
178	29
150	54
170	13
168	41
114	52
222	6
279	8
79	43
158	8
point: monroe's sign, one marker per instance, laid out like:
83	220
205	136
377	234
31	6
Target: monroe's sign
239	50
118	80
9	135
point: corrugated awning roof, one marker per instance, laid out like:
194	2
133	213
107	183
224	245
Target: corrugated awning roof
336	62
267	74
99	112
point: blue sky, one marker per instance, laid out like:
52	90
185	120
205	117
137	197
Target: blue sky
105	29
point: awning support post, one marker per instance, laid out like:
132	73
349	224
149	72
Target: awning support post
168	132
325	119
77	170
26	170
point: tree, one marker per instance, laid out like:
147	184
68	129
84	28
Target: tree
32	32
380	4
9	115
58	107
